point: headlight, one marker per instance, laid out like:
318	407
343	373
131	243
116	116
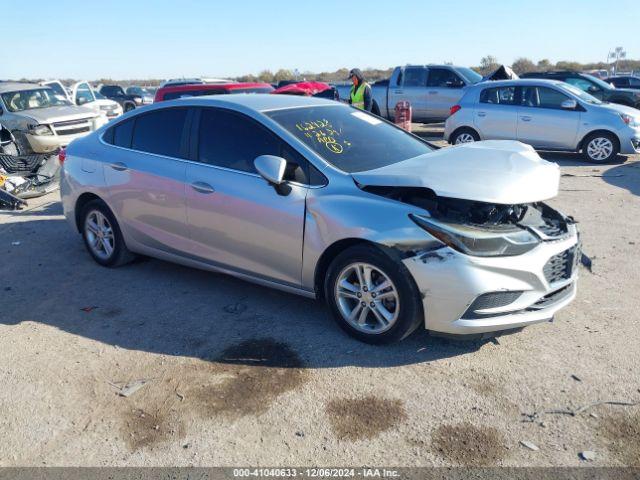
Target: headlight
137	100
40	130
479	242
629	120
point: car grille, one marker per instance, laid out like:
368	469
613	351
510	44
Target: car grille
552	298
72	127
561	266
490	300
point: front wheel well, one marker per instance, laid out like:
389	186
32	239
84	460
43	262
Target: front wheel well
327	257
80	203
460	129
581	145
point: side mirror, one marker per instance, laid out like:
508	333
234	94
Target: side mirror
271	168
569	104
593	89
81	100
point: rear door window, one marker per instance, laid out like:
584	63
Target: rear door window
415	77
499	95
120	134
160	132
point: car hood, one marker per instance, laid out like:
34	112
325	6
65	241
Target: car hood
494	171
617	108
59	114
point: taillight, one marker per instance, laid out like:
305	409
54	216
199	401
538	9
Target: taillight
454	109
62	155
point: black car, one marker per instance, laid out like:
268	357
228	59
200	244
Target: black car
592	85
624	81
117	94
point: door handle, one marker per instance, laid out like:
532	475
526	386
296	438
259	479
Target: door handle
121	167
482	114
399	92
525	119
433	92
202	187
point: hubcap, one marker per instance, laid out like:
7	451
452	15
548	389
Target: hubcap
99	235
599	148
465	138
367	298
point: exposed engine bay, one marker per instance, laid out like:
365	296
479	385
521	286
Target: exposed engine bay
543	220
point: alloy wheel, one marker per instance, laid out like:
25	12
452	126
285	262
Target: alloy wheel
99	234
600	148
367	298
464	138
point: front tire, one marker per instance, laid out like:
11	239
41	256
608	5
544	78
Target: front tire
464	135
128	107
601	147
372	296
102	235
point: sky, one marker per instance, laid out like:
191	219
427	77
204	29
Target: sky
161	39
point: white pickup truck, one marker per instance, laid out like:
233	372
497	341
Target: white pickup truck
430	89
40	120
81	93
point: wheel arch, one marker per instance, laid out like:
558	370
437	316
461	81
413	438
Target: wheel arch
581	144
461	128
83	200
322	266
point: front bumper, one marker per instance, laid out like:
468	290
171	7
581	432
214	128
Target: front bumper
450	282
51	143
630	141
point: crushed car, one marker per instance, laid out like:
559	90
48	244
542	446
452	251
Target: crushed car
24	176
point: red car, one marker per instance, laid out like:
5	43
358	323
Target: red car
196	90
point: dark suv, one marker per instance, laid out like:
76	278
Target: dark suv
624	81
117	94
592	85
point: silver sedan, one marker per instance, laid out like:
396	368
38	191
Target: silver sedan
319	199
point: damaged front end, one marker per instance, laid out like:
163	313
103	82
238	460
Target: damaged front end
479	228
24	176
487	266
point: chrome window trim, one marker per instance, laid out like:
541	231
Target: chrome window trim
193	162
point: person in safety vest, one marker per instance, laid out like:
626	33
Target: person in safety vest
360	96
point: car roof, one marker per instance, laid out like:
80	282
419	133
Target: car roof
516	82
17	86
261	102
214	86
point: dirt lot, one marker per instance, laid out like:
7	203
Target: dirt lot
239	374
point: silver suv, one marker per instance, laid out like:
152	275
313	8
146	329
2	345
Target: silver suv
548	115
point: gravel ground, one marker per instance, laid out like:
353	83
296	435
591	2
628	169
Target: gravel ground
238	374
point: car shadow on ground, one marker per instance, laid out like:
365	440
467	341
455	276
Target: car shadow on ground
625	176
163	308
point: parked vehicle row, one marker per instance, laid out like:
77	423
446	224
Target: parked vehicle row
547	114
430	89
81	93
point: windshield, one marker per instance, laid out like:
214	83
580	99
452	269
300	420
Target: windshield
602	84
32	99
349	139
143	92
112	90
581	94
469	75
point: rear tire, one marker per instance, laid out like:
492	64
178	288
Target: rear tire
464	135
372	296
600	147
102	236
